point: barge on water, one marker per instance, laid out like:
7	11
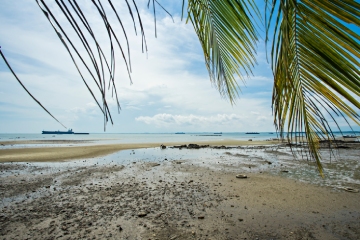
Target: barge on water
70	131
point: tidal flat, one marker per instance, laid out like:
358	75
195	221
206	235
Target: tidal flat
180	193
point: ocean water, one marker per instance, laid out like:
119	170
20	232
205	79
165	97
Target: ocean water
113	138
141	137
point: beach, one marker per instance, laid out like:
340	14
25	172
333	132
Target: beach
140	191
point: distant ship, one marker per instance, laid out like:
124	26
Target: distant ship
218	133
179	133
252	133
70	131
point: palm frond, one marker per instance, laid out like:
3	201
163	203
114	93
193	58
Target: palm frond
27	91
228	37
315	60
101	64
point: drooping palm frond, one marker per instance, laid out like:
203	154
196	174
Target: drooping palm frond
227	34
315	60
27	91
99	61
101	64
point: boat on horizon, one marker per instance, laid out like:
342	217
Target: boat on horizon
252	133
70	131
218	133
179	133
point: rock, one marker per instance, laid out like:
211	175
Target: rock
141	214
194	146
349	189
162	146
250	139
154	164
181	146
201	217
241	176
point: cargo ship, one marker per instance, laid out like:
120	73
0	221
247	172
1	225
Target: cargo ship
70	131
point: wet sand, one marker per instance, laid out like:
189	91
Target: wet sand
177	199
62	153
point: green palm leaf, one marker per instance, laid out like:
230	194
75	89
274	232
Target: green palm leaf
315	60
228	37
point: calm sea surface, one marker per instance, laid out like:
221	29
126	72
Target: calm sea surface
140	137
111	138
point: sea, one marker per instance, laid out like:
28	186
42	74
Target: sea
104	138
114	138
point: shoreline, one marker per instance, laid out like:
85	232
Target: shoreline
63	153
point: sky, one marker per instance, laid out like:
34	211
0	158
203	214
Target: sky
170	89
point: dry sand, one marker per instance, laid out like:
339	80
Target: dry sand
170	200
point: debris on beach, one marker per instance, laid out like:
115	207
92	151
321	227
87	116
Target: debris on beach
349	189
142	214
241	176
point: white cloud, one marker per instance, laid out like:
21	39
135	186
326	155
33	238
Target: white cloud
223	122
169	119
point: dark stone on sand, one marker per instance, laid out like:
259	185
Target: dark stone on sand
142	214
241	176
180	146
195	146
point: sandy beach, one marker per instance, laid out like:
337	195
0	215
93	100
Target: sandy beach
188	198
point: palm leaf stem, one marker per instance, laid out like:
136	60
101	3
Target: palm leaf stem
23	86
